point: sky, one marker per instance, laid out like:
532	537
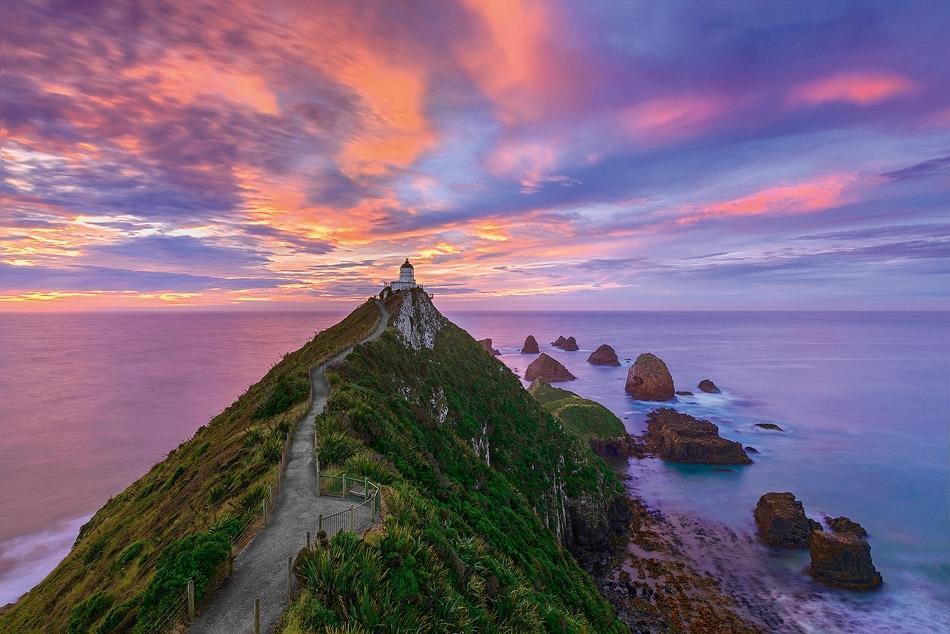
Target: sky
524	154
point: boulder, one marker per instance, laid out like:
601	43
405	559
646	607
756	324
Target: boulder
843	560
557	343
547	368
749	449
844	525
782	522
530	345
604	355
769	426
683	393
679	437
708	387
486	346
649	379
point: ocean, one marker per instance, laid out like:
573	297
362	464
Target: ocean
88	402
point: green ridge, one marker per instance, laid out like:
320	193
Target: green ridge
465	545
582	417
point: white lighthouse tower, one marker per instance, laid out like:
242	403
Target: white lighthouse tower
407	278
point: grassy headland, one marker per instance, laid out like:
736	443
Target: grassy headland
136	553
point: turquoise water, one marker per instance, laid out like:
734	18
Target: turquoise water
864	399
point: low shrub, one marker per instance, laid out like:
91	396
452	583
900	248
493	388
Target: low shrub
84	614
94	551
336	447
130	554
287	391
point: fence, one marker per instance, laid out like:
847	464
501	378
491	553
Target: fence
347	487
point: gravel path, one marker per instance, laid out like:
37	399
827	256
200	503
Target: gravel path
260	570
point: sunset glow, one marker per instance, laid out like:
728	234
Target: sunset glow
524	154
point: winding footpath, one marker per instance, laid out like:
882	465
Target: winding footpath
260	570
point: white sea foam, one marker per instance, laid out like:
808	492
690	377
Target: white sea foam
25	560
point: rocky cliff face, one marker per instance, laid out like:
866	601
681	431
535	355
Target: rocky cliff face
417	320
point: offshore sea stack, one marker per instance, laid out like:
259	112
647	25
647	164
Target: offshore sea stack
547	368
486	346
648	379
708	387
604	355
843	560
530	345
568	345
782	522
679	437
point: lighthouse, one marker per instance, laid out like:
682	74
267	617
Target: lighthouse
407	278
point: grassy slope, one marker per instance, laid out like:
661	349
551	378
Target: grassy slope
174	521
465	545
582	417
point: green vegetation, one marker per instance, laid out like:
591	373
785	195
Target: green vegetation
465	545
582	417
183	508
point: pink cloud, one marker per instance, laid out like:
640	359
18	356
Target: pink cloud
798	198
857	88
670	117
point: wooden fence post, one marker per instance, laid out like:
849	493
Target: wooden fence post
191	599
290	578
316	458
257	616
308	540
264	511
320	523
344	485
365	488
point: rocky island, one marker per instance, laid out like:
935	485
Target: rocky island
603	355
547	368
648	379
568	345
530	345
679	437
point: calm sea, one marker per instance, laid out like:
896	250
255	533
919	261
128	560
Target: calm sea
88	402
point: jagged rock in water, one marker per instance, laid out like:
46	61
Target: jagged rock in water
648	379
530	345
782	522
843	560
768	426
547	368
568	345
749	449
708	387
486	346
679	437
604	355
845	525
683	393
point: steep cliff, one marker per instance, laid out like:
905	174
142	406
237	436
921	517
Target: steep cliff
484	490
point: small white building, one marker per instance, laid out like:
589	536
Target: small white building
407	278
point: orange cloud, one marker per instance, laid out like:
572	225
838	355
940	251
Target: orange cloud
857	88
807	197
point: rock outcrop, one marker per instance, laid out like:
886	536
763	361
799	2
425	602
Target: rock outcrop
843	560
708	387
568	345
649	379
768	426
530	345
487	346
604	355
679	437
547	368
683	393
782	522
844	525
